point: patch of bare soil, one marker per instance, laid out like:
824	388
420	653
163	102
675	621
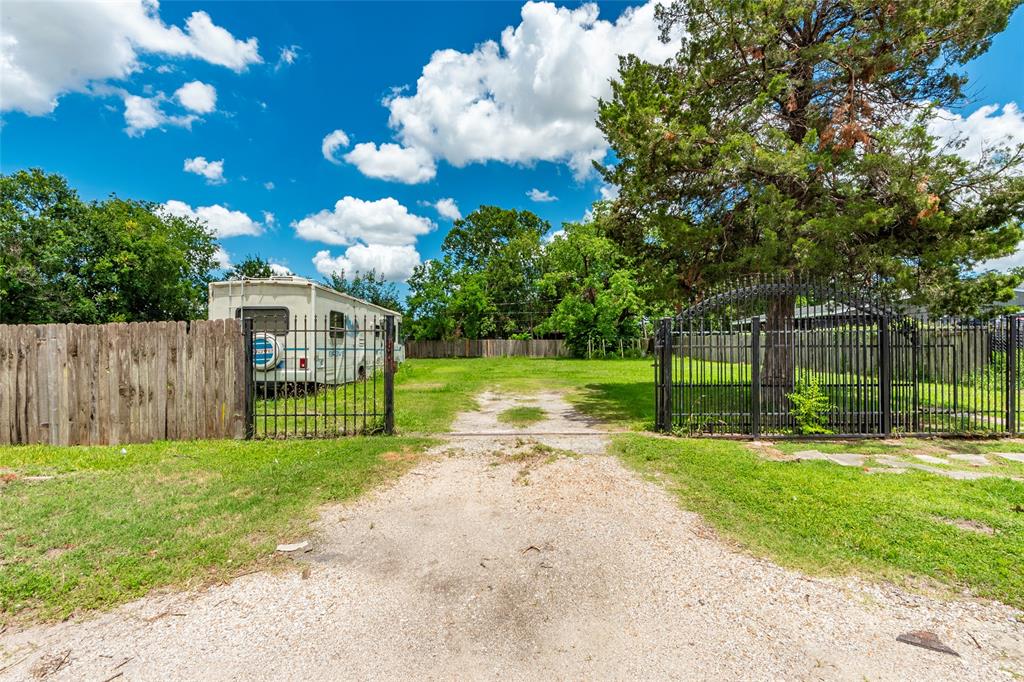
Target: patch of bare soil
460	569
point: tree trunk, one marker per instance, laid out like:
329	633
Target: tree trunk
779	366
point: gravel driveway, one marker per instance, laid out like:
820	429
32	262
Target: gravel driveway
500	556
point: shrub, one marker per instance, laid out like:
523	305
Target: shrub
811	408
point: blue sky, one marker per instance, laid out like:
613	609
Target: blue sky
484	126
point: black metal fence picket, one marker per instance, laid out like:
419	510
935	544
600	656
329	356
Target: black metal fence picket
320	377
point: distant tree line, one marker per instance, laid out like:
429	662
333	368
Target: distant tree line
63	259
500	276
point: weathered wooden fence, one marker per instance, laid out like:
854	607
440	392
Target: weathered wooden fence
531	348
487	348
122	383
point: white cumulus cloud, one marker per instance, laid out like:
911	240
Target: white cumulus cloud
530	96
145	113
288	55
48	49
395	263
269	219
197	96
608	192
381	222
447	208
213	171
223	258
985	128
541	196
222	221
380	235
279	270
393	162
332	143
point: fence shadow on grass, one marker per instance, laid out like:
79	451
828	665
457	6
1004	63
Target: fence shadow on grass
622	403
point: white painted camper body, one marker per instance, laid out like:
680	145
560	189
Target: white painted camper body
331	356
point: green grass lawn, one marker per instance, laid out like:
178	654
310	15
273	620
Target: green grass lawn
110	527
824	518
521	416
429	393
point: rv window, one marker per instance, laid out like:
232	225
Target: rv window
337	322
264	319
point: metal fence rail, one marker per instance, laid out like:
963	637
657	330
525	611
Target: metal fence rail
321	377
879	372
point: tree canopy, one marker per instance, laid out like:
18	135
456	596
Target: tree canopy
500	277
791	136
251	267
485	283
66	260
369	286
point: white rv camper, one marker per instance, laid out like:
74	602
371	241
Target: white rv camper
305	332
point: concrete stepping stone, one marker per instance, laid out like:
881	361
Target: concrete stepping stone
973	460
962	475
931	459
846	459
896	463
809	454
1012	456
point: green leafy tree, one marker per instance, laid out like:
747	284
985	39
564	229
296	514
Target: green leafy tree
369	286
790	136
598	297
66	260
430	288
252	267
485	284
503	247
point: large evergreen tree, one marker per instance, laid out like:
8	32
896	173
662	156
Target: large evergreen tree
789	136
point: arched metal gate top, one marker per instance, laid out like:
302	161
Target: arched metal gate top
756	289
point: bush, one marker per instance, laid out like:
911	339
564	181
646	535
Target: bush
811	408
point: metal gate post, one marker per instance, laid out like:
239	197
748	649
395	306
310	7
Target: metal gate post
389	374
915	354
664	418
884	376
250	383
1011	375
755	376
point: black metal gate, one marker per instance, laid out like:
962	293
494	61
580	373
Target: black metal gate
324	377
748	361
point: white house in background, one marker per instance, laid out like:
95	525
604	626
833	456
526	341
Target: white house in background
306	332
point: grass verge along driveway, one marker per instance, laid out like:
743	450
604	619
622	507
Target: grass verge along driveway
823	518
89	527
